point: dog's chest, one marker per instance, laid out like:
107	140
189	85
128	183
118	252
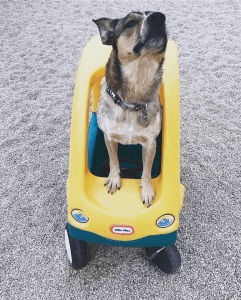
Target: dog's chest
122	125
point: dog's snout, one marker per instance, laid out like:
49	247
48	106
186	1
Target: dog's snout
156	18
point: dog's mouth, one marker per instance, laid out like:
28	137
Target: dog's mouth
156	41
157	35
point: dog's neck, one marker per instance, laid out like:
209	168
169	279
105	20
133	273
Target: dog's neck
136	80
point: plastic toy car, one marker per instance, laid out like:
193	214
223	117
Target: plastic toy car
121	219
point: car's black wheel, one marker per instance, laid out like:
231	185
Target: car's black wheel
76	250
167	259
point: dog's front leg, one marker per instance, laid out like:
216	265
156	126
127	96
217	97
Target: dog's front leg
113	179
148	154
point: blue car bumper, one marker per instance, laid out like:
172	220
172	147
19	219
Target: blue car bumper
161	240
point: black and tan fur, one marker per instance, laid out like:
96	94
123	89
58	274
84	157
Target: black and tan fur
134	72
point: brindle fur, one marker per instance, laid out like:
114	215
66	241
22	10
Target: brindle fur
134	72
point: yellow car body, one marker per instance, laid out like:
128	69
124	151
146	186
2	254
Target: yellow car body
121	218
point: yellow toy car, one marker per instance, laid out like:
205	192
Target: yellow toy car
121	219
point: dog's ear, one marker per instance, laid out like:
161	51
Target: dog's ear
106	28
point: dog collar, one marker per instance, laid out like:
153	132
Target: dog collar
126	105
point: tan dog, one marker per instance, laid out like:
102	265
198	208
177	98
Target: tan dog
129	110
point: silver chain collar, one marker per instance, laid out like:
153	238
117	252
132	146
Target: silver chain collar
124	104
131	106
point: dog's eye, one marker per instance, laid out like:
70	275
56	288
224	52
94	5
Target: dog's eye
131	24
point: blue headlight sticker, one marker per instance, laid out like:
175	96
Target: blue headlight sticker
165	221
79	216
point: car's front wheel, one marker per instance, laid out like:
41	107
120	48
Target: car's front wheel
167	259
76	250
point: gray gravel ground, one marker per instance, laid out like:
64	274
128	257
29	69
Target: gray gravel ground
41	43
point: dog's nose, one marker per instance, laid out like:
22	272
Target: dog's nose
156	18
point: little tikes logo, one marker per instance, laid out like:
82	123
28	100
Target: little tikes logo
122	229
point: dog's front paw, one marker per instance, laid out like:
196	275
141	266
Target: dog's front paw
147	194
113	182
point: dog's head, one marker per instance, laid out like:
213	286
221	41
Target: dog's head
136	34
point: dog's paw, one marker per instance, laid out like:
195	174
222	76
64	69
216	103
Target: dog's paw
113	182
147	194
